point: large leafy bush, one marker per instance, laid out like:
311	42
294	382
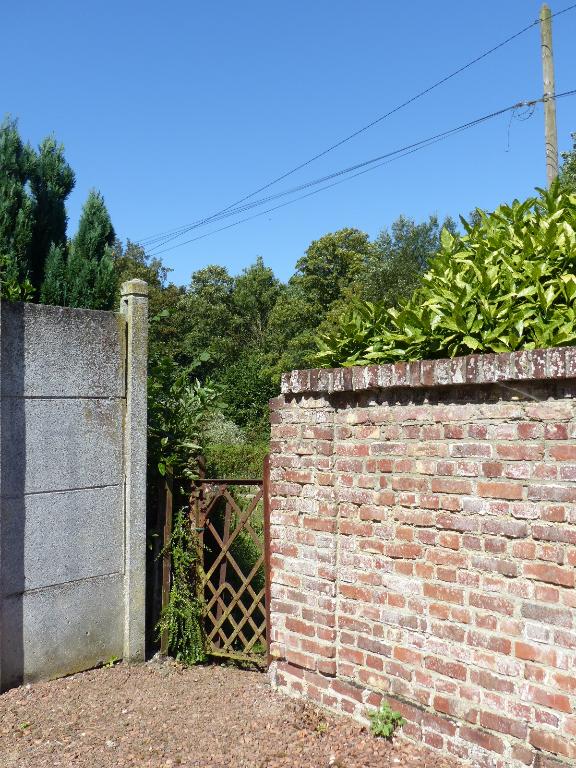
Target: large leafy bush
507	283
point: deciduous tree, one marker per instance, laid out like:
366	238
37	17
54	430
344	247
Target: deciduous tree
568	169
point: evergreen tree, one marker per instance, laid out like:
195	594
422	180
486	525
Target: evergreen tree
95	230
55	284
51	181
16	206
89	279
105	282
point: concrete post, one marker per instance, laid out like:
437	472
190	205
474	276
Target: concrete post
134	306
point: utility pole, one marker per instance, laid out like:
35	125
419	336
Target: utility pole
551	133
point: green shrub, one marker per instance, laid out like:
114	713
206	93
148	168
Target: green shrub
235	461
221	430
12	287
384	721
508	283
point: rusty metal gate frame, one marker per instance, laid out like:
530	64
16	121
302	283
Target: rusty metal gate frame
219	601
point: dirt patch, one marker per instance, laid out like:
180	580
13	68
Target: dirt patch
160	715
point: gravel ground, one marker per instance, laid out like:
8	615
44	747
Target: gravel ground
159	715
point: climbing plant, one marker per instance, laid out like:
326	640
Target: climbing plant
181	618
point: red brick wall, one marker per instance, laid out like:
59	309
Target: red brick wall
423	539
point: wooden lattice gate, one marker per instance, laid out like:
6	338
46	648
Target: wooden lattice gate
232	522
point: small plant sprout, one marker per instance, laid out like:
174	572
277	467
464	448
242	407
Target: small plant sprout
385	720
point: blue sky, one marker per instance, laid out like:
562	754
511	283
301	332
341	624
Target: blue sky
175	110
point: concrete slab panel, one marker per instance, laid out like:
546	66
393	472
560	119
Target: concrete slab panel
54	445
61	352
61	630
53	538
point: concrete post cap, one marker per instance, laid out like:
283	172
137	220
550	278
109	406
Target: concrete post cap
134	288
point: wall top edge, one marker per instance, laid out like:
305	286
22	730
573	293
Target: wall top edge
528	365
54	310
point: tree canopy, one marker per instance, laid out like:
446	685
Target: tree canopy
16	204
245	330
38	259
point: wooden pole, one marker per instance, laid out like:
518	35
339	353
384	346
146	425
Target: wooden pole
551	133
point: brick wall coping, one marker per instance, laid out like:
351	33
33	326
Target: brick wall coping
528	365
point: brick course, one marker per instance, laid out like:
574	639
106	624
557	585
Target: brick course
423	538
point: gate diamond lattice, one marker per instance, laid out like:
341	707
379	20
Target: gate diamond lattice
232	523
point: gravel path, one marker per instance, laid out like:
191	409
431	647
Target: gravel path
160	715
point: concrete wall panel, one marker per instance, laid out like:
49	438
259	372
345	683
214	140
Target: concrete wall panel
60	444
62	352
61	630
53	538
72	486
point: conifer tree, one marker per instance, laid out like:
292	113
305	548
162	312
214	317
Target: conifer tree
16	205
90	275
51	181
54	286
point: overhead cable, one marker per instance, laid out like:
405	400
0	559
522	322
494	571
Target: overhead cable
162	238
366	166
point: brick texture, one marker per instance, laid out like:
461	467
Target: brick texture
423	540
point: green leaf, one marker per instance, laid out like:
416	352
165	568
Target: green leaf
471	342
508	283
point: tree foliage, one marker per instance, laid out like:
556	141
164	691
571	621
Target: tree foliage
16	204
508	283
55	283
399	257
51	181
38	261
243	331
568	168
331	264
12	288
86	278
178	406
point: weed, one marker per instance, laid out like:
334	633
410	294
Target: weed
384	721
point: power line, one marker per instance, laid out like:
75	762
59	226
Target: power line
296	199
401	151
391	157
162	238
343	171
564	10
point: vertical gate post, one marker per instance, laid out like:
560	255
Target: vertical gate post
166	491
134	306
267	567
